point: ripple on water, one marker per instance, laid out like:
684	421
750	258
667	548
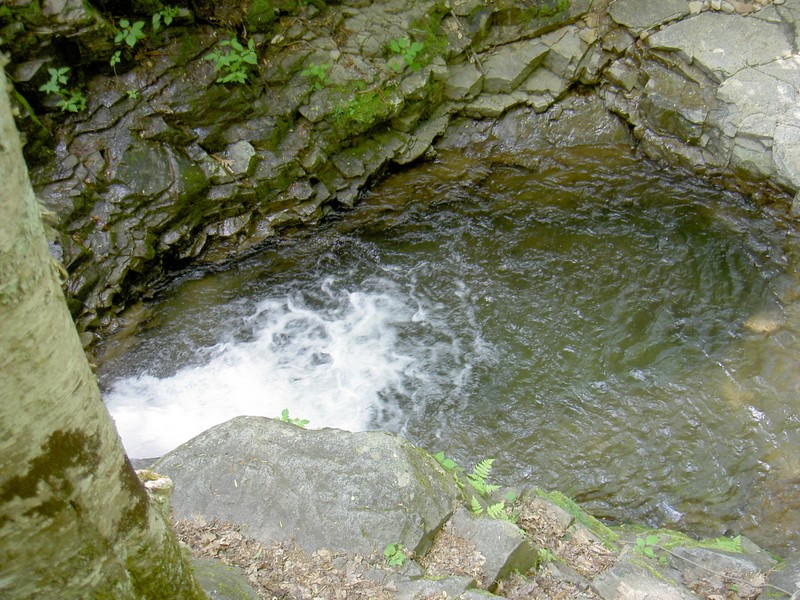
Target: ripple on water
604	327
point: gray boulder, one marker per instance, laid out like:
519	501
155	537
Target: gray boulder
323	488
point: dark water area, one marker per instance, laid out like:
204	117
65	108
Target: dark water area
602	326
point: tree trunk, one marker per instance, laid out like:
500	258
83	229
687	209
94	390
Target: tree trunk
75	521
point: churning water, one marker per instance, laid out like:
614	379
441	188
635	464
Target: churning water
600	326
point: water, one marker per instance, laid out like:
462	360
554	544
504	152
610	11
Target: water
600	326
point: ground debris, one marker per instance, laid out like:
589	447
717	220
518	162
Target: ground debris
283	570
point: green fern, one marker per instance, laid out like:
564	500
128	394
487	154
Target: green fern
498	511
475	506
477	479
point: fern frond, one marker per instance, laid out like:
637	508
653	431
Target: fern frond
482	470
497	511
475	506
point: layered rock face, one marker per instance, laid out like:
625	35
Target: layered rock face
168	167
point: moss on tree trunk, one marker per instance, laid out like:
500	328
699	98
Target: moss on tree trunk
75	521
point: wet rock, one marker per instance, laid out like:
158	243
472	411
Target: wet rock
492	106
363	489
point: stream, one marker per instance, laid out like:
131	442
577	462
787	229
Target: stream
598	325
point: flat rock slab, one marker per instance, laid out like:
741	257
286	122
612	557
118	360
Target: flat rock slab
323	488
640	15
722	45
626	581
510	65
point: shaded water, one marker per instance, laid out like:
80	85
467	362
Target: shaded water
599	326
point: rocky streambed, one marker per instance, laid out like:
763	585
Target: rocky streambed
167	168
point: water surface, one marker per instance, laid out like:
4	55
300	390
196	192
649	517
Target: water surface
622	333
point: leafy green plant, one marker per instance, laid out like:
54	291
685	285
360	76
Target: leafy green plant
58	77
233	60
129	32
287	419
448	464
70	100
318	72
74	102
395	554
477	479
544	556
165	16
407	51
647	546
495	511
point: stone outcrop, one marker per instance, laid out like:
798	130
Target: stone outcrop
360	490
713	91
354	493
168	168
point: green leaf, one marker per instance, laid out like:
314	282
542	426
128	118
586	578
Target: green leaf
156	22
475	506
640	542
651	540
51	87
497	511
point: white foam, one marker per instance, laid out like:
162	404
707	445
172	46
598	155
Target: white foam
332	365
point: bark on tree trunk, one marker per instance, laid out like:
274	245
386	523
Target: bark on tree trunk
75	521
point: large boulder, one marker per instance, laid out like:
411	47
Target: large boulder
322	488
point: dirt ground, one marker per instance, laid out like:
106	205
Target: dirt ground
284	570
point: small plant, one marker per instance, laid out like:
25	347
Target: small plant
70	100
495	511
448	464
477	479
319	72
408	51
58	77
544	556
287	419
132	94
646	545
129	32
231	59
395	555
165	16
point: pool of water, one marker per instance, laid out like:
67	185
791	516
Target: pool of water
602	326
